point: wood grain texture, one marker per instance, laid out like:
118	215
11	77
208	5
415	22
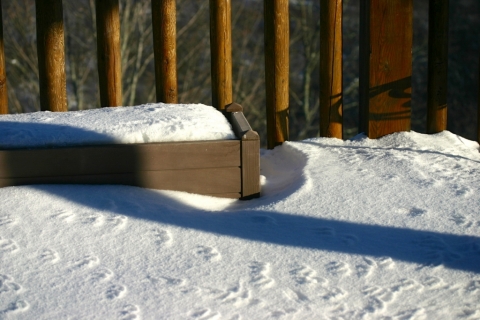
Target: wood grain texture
331	80
164	19
201	181
385	66
221	52
277	36
106	159
51	55
108	52
3	74
250	165
437	66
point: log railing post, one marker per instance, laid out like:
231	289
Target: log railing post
437	65
165	49
3	74
277	36
385	66
478	111
51	55
221	52
108	53
331	106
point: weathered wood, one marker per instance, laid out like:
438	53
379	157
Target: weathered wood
106	159
221	52
165	49
250	165
276	70
478	111
239	124
202	181
108	52
385	66
51	55
331	80
3	74
437	65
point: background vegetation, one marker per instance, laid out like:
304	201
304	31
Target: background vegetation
248	60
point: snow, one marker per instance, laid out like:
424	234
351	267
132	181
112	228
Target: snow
358	229
139	124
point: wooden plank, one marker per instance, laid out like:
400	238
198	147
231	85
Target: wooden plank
3	74
119	158
108	53
437	66
165	49
276	70
221	52
51	55
201	181
331	80
385	66
250	165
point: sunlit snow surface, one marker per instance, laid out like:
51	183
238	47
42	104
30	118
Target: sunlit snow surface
360	229
139	124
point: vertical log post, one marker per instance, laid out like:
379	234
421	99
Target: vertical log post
51	55
3	74
108	53
385	66
221	52
437	65
277	36
331	81
478	112
164	21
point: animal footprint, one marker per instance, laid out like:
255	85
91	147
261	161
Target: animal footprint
49	256
162	237
324	231
433	283
334	294
88	261
8	245
7	284
130	312
259	274
306	275
235	295
473	286
365	269
117	221
101	275
204	314
338	268
5	220
208	253
64	215
349	239
16	307
115	292
405	284
460	220
94	219
385	262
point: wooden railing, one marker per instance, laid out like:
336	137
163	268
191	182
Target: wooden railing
385	62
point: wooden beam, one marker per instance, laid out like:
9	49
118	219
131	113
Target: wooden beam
108	53
331	81
277	36
51	55
437	65
221	52
385	66
3	74
164	21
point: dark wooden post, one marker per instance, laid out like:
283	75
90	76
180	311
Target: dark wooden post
51	55
331	106
108	53
221	52
478	112
277	36
3	74
437	65
385	66
164	21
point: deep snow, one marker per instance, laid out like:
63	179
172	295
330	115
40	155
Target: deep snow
358	229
